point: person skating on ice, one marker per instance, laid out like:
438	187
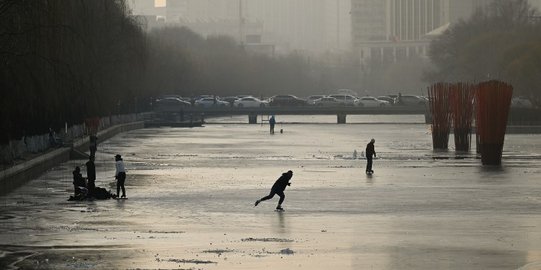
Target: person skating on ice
370	152
278	189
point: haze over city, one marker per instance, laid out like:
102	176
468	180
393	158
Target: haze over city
270	134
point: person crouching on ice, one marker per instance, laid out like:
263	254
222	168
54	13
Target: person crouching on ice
278	188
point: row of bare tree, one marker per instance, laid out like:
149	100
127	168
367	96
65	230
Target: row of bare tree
64	61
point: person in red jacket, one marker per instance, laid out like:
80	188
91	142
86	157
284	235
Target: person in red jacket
278	189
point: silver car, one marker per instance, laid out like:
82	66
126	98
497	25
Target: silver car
347	100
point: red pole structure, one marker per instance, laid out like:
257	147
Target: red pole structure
493	100
438	96
461	97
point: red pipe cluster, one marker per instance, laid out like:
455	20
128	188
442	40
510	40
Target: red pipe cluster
455	103
462	100
438	96
493	100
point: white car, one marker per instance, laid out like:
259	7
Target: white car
211	102
372	102
327	101
312	99
347	100
249	102
521	102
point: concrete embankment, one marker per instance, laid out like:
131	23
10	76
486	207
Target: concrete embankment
19	174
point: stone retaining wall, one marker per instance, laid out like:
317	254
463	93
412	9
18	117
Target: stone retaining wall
17	175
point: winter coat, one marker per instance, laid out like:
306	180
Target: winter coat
282	182
370	150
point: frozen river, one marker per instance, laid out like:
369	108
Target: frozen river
192	192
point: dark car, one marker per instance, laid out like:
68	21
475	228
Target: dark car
410	100
286	100
170	104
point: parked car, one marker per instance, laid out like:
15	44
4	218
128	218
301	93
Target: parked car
387	98
521	102
230	99
372	102
170	104
211	102
327	101
286	100
410	100
347	100
250	102
310	100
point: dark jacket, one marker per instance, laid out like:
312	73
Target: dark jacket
370	150
78	179
90	170
282	182
272	121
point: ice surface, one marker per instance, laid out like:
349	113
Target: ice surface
191	195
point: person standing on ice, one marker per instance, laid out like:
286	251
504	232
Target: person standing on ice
278	188
90	174
272	122
369	153
120	176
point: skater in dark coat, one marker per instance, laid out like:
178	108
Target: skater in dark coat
370	152
278	188
272	122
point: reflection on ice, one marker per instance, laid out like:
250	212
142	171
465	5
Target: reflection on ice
192	193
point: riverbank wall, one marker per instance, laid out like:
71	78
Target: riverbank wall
19	174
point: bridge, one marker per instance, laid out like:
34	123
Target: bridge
341	112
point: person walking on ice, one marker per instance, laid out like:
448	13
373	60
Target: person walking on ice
369	153
278	188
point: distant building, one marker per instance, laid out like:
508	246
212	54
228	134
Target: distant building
392	30
312	26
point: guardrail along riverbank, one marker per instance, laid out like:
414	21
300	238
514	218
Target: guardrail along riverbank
30	165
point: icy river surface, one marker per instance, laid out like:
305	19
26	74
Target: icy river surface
192	191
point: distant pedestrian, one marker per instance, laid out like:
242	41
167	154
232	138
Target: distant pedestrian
93	145
53	140
90	175
120	176
278	188
370	152
79	183
272	122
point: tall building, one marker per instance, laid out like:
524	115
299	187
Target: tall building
391	30
463	9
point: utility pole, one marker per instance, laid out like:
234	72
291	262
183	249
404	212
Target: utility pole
338	24
241	25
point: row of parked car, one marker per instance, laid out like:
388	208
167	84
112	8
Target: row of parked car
173	102
366	101
247	101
